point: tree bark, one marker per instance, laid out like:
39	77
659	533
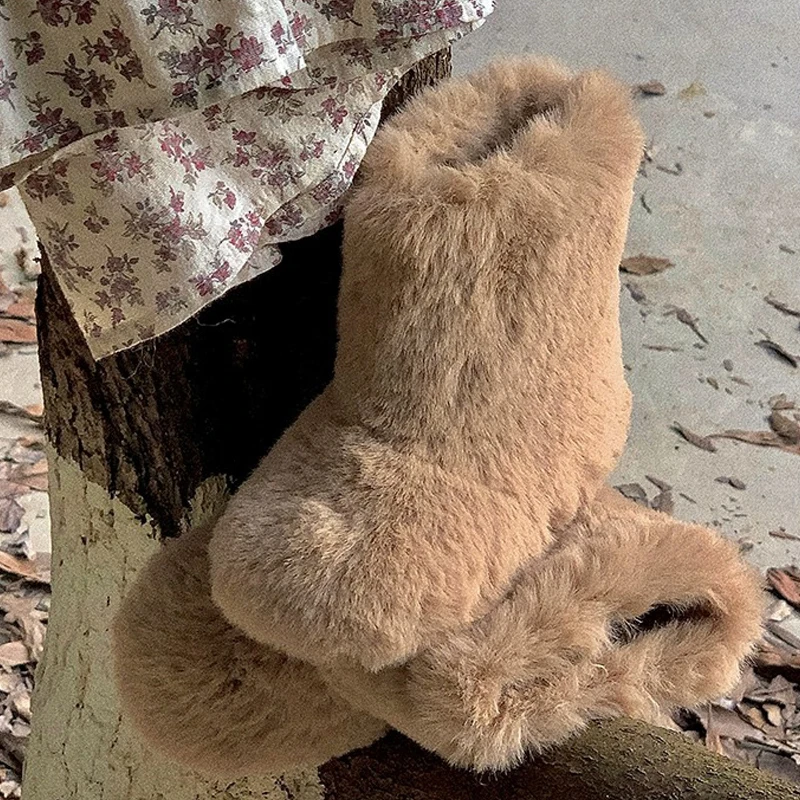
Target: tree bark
151	441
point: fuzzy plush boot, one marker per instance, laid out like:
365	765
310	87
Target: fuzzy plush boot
202	693
634	614
479	398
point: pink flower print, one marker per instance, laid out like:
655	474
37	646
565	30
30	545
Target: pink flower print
249	54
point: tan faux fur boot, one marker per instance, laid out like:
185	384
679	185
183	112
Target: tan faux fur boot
479	398
634	614
203	694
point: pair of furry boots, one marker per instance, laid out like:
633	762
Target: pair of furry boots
430	546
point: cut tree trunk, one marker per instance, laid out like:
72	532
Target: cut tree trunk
151	441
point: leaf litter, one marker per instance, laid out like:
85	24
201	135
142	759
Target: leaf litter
24	596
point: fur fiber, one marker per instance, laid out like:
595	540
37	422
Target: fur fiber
432	541
478	398
549	657
203	694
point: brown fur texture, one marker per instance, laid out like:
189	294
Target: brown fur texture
432	537
479	398
203	694
555	653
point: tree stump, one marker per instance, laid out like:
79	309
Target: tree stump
151	441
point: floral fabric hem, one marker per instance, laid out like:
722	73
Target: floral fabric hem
191	137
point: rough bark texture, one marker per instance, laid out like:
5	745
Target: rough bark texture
149	441
609	761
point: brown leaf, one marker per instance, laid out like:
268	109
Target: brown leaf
32	412
694	89
23	568
781	306
22	612
14	654
779	692
731	481
663	502
633	491
661	485
16	331
784	585
761	438
782	534
687	319
654	88
23	309
779	351
644	265
11	513
703	442
780	402
785	427
34	476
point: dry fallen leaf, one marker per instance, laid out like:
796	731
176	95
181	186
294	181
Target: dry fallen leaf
780	351
635	492
13	654
663	502
11	513
24	568
785	427
661	485
32	412
655	88
781	306
17	331
780	402
782	534
785	584
761	438
731	481
644	265
694	89
22	612
687	319
703	442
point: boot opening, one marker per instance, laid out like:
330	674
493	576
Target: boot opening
624	631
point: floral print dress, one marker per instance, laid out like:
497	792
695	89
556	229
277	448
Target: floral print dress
164	148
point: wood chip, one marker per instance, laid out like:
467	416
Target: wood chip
703	442
784	248
644	265
652	88
781	306
780	351
731	481
663	348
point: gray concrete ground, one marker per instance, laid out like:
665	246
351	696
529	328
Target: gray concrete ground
730	222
